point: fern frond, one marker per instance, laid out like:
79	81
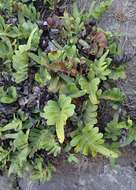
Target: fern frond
15	124
21	59
90	88
100	68
4	156
113	128
115	95
89	140
57	114
100	9
18	162
90	114
43	139
9	95
42	172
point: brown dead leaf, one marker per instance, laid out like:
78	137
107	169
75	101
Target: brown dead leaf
60	67
100	39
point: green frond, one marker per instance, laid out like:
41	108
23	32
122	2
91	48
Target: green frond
43	139
90	140
57	114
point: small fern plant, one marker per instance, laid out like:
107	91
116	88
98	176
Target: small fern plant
57	114
90	140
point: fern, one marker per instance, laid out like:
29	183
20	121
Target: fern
73	67
42	76
100	68
90	114
73	23
9	95
42	172
131	137
27	12
101	8
115	95
21	58
15	124
18	163
20	153
113	129
43	139
6	50
21	140
91	88
6	5
57	114
4	156
118	73
90	140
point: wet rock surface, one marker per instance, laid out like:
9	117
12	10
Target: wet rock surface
98	174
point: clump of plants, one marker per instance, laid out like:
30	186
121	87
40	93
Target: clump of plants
57	77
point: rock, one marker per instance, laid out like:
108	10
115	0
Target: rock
91	174
6	183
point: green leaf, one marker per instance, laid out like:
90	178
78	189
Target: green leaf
90	114
9	95
88	140
55	84
43	76
113	129
15	124
43	139
131	137
21	58
19	162
4	154
71	90
118	73
57	114
91	88
73	159
100	68
27	12
115	95
100	9
42	172
20	64
21	140
6	50
55	56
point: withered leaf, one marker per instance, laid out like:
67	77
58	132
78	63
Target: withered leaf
101	39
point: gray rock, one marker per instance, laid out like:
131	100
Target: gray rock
6	183
91	174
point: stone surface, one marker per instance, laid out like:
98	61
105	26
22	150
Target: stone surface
6	183
121	178
92	174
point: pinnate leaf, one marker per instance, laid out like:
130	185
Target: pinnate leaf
57	114
91	140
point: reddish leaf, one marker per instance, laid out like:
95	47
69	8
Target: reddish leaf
101	39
